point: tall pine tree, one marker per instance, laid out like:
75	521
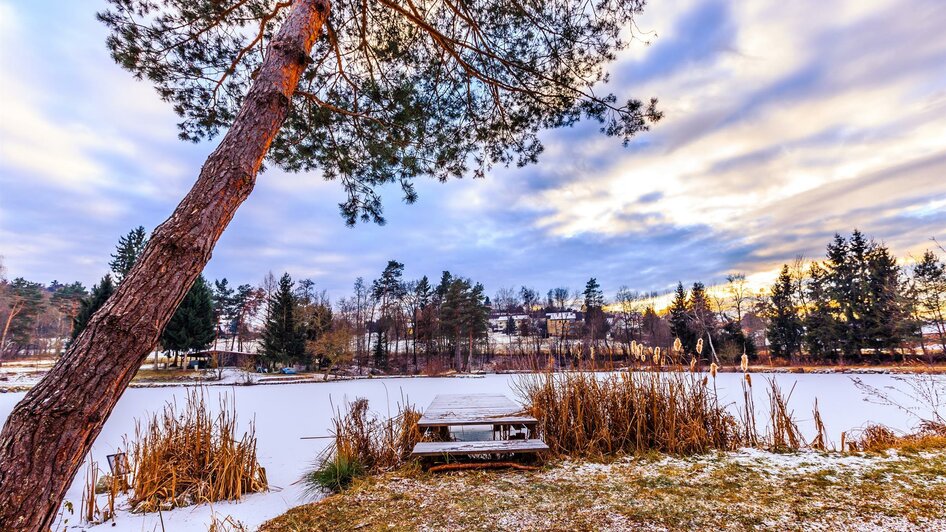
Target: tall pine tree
703	322
785	329
679	319
193	325
282	341
127	252
888	320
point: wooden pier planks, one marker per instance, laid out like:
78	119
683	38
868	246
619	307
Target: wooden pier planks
474	409
479	447
496	410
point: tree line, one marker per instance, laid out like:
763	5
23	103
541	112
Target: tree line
857	304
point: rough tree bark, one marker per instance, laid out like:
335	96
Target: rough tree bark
50	431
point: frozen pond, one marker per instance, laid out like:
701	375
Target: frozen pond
286	413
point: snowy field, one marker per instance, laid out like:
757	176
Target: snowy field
285	413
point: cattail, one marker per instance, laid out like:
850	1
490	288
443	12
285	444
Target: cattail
699	346
713	368
693	365
677	345
744	364
656	355
749	380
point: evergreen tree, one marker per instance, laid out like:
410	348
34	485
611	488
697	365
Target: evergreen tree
246	302
733	339
785	331
929	294
424	317
225	305
282	342
888	320
192	327
679	319
823	329
594	297
596	325
127	252
67	299
87	307
703	323
389	291
475	317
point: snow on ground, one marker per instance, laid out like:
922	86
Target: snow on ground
284	414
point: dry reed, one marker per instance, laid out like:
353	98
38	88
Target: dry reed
629	412
820	442
192	456
784	434
876	438
364	443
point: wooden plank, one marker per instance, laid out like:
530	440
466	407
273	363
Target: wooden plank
467	448
474	409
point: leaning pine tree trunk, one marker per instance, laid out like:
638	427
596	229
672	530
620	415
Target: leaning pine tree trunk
51	430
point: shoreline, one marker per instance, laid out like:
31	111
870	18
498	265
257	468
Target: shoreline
314	378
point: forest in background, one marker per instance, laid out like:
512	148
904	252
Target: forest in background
856	305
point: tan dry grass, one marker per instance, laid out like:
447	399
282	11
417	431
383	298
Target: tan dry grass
877	438
192	456
582	414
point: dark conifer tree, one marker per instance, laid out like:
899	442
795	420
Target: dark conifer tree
127	252
99	295
192	327
424	317
389	291
26	303
68	300
703	322
823	328
929	294
888	320
785	331
225	305
282	341
679	318
594	296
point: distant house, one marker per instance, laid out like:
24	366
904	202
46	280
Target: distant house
563	324
499	322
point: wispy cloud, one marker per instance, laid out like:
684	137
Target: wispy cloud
782	127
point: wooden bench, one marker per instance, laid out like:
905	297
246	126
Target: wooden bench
457	410
469	448
513	430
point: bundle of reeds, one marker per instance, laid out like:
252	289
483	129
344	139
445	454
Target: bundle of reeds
628	412
192	456
364	443
876	438
784	434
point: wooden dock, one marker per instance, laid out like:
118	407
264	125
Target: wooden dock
504	417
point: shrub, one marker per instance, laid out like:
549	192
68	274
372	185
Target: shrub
191	457
334	474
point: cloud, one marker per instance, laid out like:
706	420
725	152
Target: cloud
785	122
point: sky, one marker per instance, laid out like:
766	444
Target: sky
785	122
